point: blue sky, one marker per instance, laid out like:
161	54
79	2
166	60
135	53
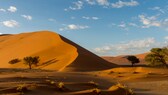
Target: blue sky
105	27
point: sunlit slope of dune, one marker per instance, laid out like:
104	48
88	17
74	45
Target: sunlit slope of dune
55	52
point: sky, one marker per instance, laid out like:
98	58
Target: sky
105	27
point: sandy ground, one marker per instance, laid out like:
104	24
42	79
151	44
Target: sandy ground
143	81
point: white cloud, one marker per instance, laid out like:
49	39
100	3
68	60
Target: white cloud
65	9
103	49
157	9
125	26
121	4
91	2
2	10
166	38
103	2
72	17
74	27
99	2
10	23
76	5
122	25
51	19
28	17
127	47
88	18
149	21
95	18
133	24
12	9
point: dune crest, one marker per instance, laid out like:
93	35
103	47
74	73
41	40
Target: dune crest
55	52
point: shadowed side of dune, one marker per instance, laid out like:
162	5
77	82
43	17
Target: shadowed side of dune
86	60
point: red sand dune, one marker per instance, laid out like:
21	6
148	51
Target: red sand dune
120	60
55	52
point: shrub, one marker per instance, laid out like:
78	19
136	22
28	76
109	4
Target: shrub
133	59
157	57
31	61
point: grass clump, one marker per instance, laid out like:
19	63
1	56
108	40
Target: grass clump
93	83
61	85
96	91
22	88
128	90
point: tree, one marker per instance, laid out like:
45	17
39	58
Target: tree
157	57
133	59
31	61
13	61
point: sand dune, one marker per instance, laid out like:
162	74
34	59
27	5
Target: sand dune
55	52
120	60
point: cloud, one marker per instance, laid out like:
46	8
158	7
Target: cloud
51	19
88	18
76	6
99	2
153	21
133	24
157	9
149	21
103	2
130	47
72	17
2	10
10	23
166	38
28	17
125	26
122	25
85	17
91	2
95	18
121	4
103	49
12	9
73	27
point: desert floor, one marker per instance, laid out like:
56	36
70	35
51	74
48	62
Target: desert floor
143	81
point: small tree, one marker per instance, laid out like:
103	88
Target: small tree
133	60
157	57
31	61
14	61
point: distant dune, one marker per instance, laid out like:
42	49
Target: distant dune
120	60
55	52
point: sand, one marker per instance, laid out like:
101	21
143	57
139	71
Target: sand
139	80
